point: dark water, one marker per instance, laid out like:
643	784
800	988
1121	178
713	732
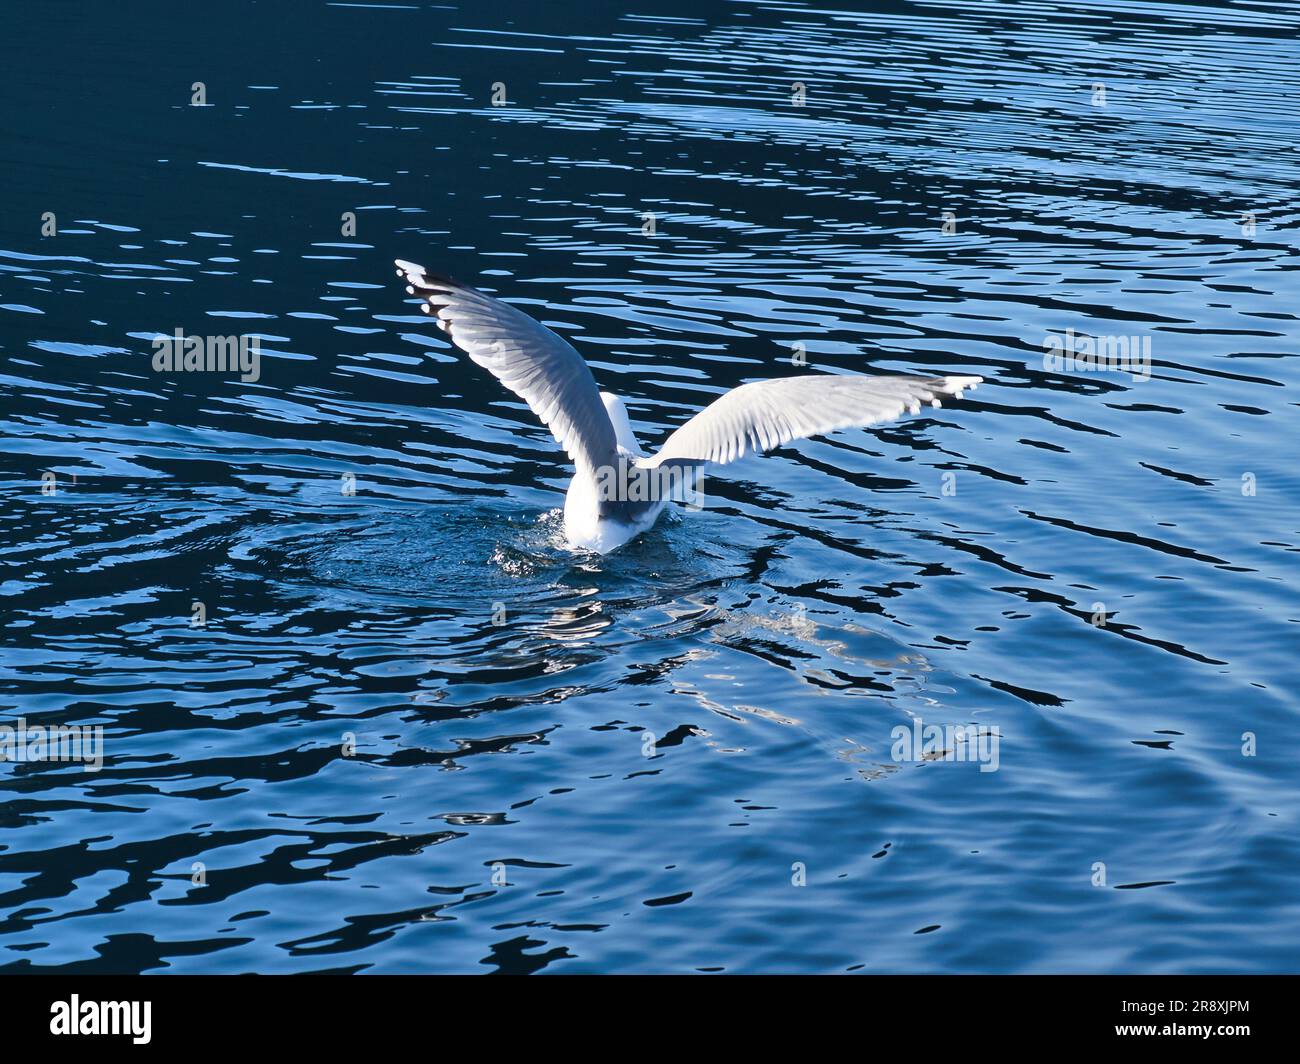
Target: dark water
500	812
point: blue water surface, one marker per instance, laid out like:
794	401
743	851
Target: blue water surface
414	733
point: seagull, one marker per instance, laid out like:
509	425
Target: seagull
618	491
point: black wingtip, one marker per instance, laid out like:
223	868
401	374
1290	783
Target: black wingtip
417	276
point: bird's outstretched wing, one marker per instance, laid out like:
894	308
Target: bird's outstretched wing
524	355
766	414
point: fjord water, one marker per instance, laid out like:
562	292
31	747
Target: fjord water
414	734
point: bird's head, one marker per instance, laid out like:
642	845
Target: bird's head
618	418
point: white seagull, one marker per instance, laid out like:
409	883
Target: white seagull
608	501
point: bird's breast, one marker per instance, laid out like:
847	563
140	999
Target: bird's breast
600	520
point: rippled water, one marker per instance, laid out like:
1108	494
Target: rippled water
500	812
